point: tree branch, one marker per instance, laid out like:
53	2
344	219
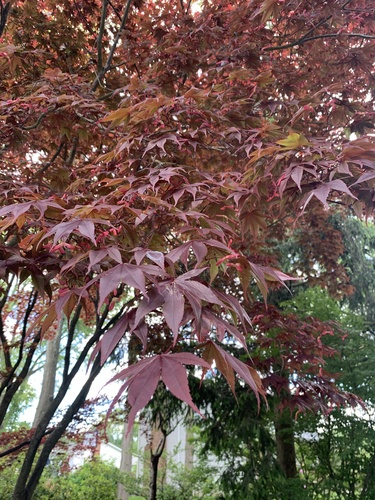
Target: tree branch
39	120
12	367
29	477
115	10
4	13
51	161
99	77
21	445
310	32
100	36
303	40
71	329
89	29
3	339
73	151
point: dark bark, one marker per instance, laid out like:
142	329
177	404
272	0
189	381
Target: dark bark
11	383
19	446
102	70
155	458
4	13
27	483
22	487
286	453
29	474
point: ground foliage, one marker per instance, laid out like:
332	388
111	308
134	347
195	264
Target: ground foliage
148	150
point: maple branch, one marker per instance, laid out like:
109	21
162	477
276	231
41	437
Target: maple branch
4	13
71	329
30	306
306	36
89	120
303	40
160	446
73	151
51	161
13	386
26	481
3	339
320	23
39	120
115	10
50	411
99	77
22	445
100	36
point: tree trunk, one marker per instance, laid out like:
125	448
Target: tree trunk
126	460
49	374
368	487
155	457
29	476
189	449
154	476
286	453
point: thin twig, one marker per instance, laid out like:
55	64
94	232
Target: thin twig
115	10
84	18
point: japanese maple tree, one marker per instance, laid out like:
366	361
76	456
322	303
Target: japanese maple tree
147	150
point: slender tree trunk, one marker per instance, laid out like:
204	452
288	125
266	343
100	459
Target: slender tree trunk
154	476
49	374
28	477
155	458
30	471
189	449
286	453
126	460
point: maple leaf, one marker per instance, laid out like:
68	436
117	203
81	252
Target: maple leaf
130	274
142	379
173	308
19	209
322	191
293	141
228	364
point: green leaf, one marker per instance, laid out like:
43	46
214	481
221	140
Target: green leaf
294	141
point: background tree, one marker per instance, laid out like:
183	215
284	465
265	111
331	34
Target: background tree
333	453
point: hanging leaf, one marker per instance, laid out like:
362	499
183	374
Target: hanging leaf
173	309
